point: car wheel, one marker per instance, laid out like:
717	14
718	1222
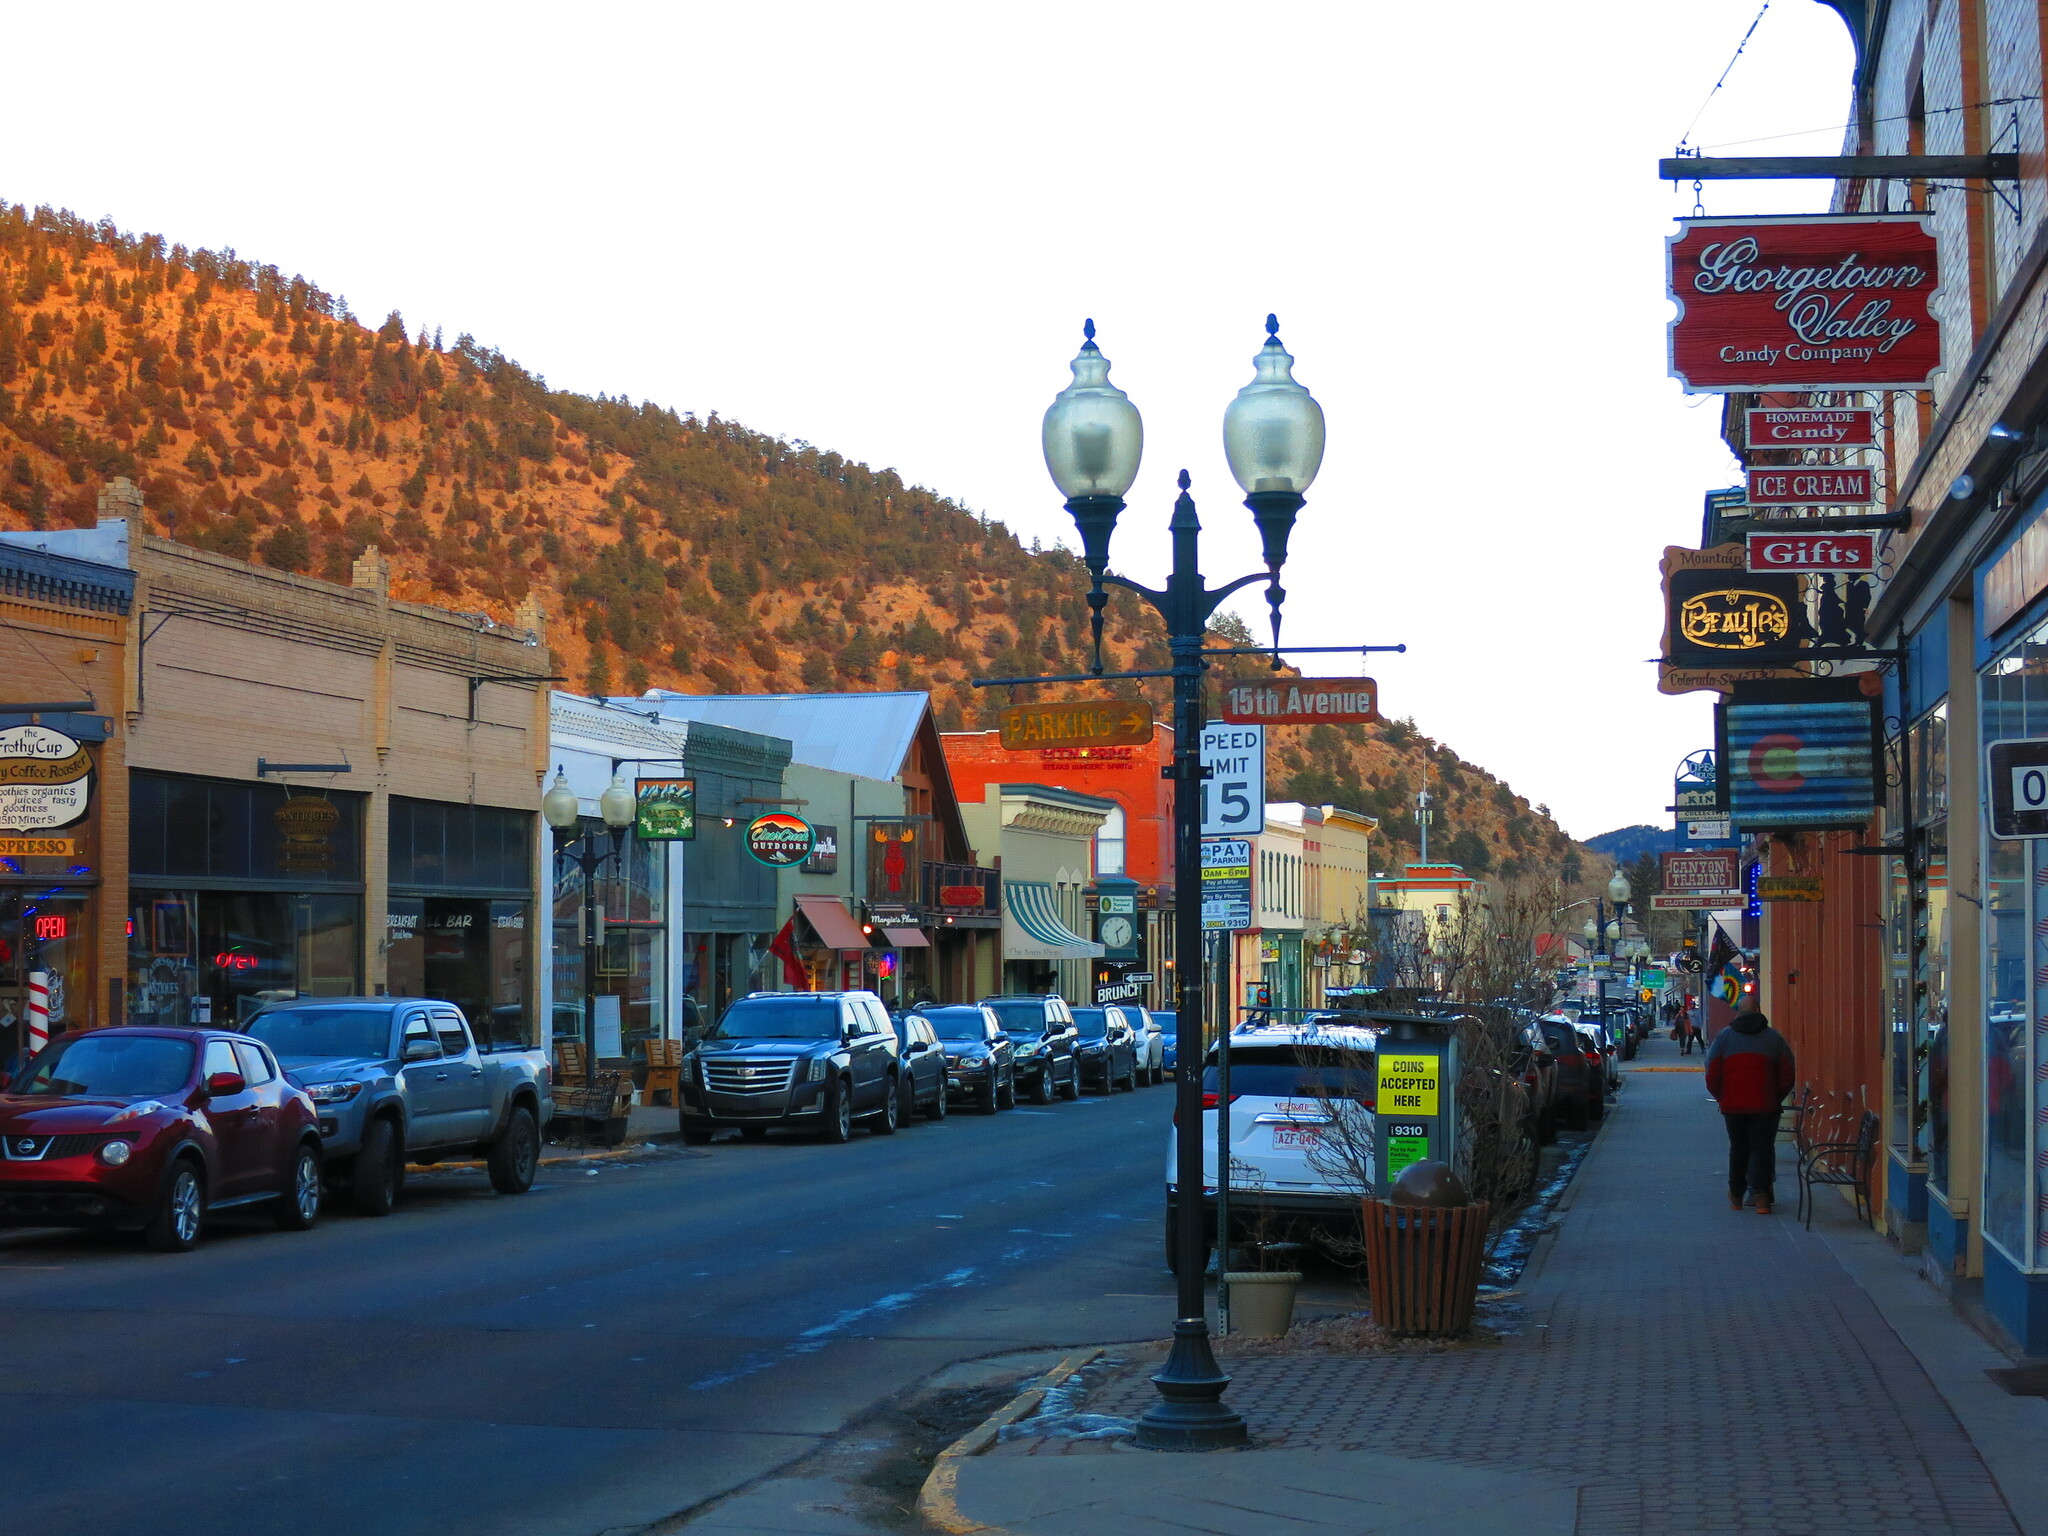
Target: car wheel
937	1108
1596	1107
514	1157
838	1117
298	1203
1007	1094
181	1213
1041	1085
1071	1088
884	1120
380	1170
906	1101
1131	1077
991	1099
751	1133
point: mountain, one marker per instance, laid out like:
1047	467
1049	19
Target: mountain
263	421
1625	845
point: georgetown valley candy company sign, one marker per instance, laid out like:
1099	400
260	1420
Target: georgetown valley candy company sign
1836	301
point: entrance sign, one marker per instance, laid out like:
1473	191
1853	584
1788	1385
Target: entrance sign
1852	554
2018	771
1234	793
1810	301
779	839
1091	723
1303	701
1812	485
665	810
1702	871
44	779
1226	884
1809	427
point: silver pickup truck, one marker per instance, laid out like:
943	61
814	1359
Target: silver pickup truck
400	1079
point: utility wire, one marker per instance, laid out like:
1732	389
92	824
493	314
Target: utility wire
1897	117
1686	137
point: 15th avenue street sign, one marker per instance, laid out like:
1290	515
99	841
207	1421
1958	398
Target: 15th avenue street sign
1812	485
1302	701
1097	723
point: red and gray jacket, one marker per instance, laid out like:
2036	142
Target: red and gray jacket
1749	1067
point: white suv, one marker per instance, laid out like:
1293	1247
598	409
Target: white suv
1151	1044
1301	1129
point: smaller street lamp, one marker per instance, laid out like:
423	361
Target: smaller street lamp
579	844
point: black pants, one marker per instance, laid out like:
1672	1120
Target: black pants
1752	1153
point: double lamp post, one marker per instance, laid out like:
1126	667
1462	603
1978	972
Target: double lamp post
1601	927
1273	439
580	844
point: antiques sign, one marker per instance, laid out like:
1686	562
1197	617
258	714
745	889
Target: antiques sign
1849	553
1812	485
44	778
1810	301
1097	723
1809	427
1302	701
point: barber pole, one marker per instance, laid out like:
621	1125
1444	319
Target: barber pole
38	1020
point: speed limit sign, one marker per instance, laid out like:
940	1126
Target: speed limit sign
1234	793
2018	771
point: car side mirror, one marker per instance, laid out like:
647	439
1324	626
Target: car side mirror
420	1050
221	1085
1002	1037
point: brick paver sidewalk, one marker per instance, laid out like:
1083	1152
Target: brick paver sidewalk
1688	1368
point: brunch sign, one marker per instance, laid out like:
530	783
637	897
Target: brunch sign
1816	301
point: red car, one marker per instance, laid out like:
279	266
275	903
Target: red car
152	1129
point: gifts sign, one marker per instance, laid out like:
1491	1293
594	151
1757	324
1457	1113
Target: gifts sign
1833	302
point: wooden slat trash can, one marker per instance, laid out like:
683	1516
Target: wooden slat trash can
1422	1265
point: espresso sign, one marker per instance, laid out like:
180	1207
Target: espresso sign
1810	427
1851	554
1810	485
45	779
1303	701
1812	301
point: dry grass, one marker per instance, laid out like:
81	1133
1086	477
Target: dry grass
1353	1333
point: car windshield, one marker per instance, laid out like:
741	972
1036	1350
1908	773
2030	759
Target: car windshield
1092	1023
111	1066
1019	1018
776	1018
957	1023
331	1032
1295	1072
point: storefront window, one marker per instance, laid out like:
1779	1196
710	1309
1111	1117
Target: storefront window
47	931
1918	942
456	919
237	949
632	977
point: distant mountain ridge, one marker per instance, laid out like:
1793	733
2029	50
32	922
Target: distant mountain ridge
1625	845
263	421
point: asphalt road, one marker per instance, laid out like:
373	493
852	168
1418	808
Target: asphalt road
598	1354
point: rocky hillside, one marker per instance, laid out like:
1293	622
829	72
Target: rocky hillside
264	421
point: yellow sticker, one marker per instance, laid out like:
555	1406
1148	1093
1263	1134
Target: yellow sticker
1408	1085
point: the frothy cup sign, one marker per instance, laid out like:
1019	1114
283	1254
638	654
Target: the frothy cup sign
45	778
779	839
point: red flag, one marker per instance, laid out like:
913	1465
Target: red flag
783	948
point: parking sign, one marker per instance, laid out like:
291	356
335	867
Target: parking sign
1234	793
2018	771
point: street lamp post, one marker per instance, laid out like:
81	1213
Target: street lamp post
1273	439
565	819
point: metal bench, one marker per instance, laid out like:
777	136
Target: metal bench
1842	1163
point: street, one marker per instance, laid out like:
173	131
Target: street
612	1348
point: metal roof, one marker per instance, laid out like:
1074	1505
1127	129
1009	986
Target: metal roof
59	579
865	734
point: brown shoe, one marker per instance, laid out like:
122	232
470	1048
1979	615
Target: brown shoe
1735	1202
1763	1205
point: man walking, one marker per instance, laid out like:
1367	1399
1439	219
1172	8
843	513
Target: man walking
1749	1072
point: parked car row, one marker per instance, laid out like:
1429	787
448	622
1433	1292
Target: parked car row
825	1062
154	1130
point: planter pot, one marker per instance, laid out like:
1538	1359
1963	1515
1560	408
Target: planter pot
1262	1301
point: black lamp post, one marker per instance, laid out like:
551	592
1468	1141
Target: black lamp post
565	819
1273	438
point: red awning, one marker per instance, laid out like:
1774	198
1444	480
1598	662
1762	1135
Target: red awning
906	938
835	928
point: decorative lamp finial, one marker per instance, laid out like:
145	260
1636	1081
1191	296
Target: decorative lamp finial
1273	326
1183	479
1088	330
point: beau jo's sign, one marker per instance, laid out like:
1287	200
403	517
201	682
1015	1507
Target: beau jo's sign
1834	301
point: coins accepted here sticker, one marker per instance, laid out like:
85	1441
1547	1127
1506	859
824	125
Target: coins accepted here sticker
1408	1085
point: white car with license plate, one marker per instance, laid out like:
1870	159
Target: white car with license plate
1301	1129
1151	1044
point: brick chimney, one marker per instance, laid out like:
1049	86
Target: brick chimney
122	497
371	573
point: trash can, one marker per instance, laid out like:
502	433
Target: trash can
1422	1265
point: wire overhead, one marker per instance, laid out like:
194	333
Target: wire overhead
1686	137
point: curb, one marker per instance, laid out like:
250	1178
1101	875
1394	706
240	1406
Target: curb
936	1500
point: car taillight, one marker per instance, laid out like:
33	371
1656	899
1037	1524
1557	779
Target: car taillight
1209	1101
547	1075
1590	1057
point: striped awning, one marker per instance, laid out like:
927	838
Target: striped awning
1032	929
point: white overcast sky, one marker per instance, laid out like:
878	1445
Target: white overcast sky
877	227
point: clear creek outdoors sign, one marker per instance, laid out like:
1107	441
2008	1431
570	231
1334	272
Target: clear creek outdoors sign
44	779
779	839
1813	301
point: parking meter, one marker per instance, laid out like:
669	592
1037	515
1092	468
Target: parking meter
1416	1105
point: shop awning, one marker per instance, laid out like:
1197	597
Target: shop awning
906	938
1032	929
835	928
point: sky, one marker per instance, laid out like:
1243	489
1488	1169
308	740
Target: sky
878	227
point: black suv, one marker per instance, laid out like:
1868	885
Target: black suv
815	1061
1041	1031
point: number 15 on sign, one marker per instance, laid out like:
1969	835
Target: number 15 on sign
1234	793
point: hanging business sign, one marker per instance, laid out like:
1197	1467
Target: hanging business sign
1809	301
1719	616
1790	888
1697	802
1701	871
1811	485
1695	901
1800	756
779	839
1302	701
1687	572
1096	723
1811	427
665	810
1852	554
45	779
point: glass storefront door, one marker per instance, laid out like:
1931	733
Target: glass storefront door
48	931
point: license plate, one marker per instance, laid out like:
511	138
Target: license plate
1296	1135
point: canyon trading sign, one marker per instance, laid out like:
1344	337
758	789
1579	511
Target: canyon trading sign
1813	301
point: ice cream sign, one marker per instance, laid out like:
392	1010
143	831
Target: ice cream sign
45	779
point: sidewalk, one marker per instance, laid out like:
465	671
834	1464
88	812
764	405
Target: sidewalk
1685	1368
